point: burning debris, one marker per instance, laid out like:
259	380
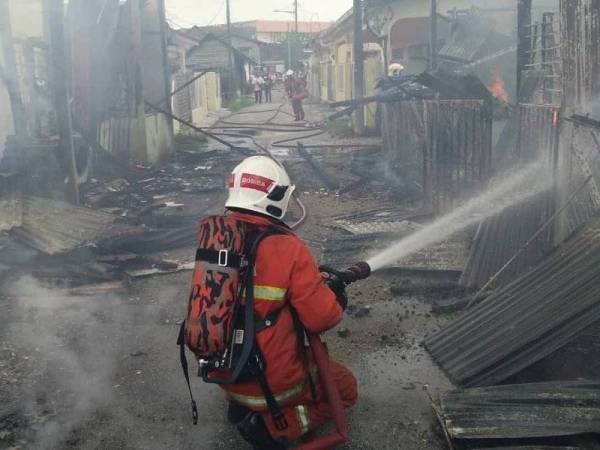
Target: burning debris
498	88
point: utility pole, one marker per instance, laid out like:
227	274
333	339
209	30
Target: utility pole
359	67
433	36
296	16
11	79
162	17
231	77
60	86
289	48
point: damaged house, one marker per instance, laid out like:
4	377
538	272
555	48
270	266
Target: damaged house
536	263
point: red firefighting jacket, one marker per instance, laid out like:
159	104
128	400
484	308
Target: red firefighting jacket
286	276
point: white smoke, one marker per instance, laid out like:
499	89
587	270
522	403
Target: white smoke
67	345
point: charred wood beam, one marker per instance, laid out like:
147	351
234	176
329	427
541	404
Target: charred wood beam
193	127
182	87
363	101
325	177
61	88
342	113
585	121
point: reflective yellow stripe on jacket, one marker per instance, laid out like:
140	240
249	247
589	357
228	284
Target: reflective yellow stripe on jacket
269	293
259	401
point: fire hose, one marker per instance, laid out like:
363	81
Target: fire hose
357	272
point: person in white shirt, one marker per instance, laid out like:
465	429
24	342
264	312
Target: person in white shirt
257	82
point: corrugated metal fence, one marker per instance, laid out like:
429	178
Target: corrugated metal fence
501	237
580	30
441	147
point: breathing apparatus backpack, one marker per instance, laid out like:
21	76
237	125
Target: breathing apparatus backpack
220	324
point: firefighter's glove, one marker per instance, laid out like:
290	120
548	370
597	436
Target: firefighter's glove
337	285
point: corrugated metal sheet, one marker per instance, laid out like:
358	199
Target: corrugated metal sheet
580	30
577	159
474	37
440	148
53	226
535	447
528	319
533	410
501	237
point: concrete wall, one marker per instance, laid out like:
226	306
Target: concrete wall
6	119
27	22
206	97
158	138
373	71
27	18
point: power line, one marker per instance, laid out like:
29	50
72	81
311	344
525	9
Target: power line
218	13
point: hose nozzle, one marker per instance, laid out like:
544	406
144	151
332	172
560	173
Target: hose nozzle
358	271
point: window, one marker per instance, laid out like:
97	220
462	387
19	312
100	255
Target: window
397	53
418	51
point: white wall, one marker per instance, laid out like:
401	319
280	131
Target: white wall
26	21
6	123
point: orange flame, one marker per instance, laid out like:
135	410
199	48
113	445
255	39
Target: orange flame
498	87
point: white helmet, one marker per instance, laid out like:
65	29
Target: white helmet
289	73
262	185
395	69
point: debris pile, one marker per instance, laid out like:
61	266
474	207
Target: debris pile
126	219
527	414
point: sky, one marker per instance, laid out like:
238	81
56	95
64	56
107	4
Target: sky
186	13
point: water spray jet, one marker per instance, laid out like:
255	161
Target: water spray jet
514	189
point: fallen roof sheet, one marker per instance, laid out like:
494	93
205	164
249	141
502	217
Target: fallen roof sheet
526	320
52	226
501	237
521	411
534	447
453	86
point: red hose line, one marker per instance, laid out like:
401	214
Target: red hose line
333	397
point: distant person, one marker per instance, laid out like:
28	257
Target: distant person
268	87
396	70
258	82
288	83
299	94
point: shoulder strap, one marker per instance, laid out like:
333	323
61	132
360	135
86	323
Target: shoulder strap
186	373
249	325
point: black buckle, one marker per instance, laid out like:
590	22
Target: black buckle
280	421
194	413
223	258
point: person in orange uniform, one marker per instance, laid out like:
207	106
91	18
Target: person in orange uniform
300	92
287	279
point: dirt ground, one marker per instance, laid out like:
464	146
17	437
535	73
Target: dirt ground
103	372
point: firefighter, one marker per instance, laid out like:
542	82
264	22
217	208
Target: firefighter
288	83
396	70
286	279
299	94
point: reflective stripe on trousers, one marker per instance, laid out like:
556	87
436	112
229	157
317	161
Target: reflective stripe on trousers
259	401
303	420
